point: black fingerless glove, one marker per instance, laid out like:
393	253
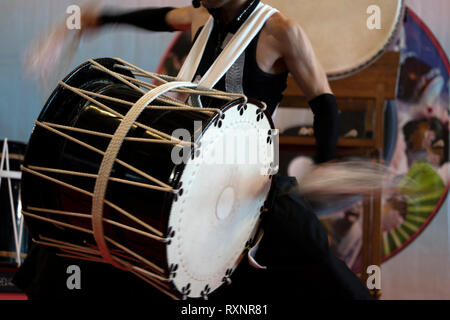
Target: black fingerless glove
153	19
326	126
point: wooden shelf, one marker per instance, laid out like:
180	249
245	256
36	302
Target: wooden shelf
342	142
361	85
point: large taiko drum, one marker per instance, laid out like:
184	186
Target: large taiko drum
339	31
172	211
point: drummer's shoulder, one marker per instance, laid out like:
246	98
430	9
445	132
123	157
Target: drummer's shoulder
199	17
188	17
284	29
199	13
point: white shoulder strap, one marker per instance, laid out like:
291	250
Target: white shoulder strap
236	46
187	71
232	51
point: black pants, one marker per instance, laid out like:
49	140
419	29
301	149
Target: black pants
294	248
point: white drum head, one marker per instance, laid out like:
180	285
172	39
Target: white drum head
338	30
221	201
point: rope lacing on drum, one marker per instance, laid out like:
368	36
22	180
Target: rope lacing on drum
264	106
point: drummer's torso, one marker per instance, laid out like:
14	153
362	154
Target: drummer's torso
265	72
269	55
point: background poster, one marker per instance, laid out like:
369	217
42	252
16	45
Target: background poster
421	269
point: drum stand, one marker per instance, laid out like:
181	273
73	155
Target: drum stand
13	235
366	91
7	174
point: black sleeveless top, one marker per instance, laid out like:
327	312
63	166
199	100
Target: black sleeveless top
256	83
259	84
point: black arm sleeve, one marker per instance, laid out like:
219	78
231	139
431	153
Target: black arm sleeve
326	126
153	19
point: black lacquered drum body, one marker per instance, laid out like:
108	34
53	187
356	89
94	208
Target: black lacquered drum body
46	192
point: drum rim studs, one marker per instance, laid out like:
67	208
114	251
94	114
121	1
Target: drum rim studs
170	235
260	115
227	280
178	193
242	108
186	290
205	292
173	271
273	169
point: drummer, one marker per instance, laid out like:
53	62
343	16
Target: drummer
293	258
280	48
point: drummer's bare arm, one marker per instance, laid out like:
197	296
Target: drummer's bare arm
296	54
300	59
188	17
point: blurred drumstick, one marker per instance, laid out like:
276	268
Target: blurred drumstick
347	178
52	54
49	57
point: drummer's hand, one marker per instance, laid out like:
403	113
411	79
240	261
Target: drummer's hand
300	167
91	18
